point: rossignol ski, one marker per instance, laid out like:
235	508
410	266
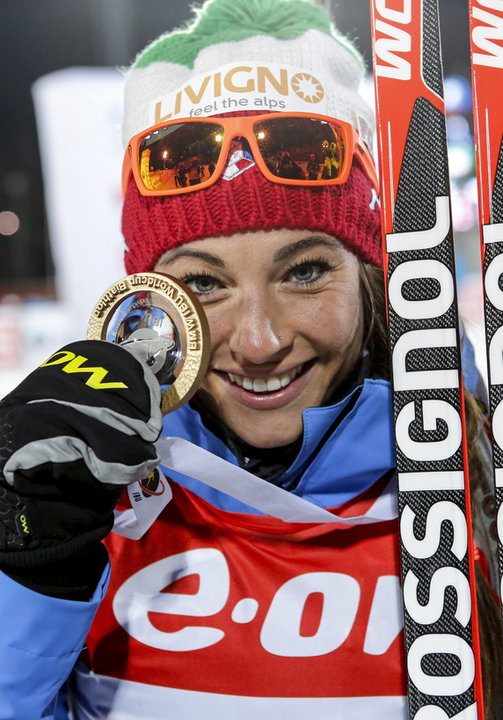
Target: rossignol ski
486	31
440	615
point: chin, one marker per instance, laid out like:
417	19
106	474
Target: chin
267	439
258	428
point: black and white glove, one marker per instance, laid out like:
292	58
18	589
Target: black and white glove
72	435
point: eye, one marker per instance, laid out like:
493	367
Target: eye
201	284
308	272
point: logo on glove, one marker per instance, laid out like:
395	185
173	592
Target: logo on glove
73	364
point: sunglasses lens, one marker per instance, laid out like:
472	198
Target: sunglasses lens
301	148
180	155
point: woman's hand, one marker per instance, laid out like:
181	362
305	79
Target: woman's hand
72	435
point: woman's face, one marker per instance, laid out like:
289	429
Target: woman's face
285	317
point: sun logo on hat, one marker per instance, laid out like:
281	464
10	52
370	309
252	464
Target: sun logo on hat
307	87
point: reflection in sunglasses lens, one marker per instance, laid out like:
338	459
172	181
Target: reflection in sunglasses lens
301	148
180	155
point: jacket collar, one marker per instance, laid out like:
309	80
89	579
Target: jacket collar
346	447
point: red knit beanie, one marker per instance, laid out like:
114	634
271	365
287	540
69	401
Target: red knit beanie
153	225
254	56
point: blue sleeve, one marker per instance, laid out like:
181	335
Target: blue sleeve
40	640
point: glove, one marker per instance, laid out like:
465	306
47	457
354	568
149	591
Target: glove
72	435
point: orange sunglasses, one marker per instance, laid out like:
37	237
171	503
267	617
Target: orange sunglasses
189	154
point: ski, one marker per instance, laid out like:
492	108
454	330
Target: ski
486	30
436	546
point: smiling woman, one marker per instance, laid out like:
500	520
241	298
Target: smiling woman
286	325
254	555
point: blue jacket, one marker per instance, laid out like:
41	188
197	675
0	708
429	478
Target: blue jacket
42	636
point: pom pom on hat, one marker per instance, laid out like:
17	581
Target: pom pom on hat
291	33
170	75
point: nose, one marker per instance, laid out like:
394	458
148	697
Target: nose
260	333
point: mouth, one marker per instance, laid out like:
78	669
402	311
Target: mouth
273	383
271	392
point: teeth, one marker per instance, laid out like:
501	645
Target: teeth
271	384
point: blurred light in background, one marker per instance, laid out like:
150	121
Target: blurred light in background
460	159
457	94
9	222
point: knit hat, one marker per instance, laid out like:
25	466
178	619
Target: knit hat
249	57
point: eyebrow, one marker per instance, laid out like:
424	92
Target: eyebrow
288	251
284	253
186	252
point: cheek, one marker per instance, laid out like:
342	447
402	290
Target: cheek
220	327
334	321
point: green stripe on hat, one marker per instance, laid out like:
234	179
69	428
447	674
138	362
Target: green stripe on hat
219	21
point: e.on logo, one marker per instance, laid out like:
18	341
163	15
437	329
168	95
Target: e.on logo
280	631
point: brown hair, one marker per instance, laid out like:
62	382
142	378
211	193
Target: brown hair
490	630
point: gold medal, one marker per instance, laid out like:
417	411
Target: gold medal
162	323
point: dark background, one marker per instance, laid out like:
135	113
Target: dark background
40	36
